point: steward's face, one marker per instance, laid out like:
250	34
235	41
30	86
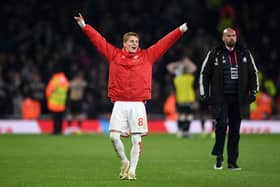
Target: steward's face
131	44
229	37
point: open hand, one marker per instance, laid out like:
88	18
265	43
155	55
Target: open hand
80	20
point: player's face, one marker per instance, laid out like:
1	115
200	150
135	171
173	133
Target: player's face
131	44
229	37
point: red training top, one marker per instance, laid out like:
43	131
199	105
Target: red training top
130	74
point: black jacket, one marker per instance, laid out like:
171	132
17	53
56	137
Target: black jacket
211	77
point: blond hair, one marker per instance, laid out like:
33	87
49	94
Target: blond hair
128	34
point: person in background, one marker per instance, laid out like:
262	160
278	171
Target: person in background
33	96
77	87
129	87
183	72
30	109
4	94
56	94
263	105
229	82
169	107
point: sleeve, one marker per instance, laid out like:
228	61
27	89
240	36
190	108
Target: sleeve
101	44
205	74
50	88
158	49
253	74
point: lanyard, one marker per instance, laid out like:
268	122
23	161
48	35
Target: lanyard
235	58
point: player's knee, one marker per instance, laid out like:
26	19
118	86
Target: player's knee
135	138
114	136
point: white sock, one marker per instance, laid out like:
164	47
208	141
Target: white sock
135	151
118	146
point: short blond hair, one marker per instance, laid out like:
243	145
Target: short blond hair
128	34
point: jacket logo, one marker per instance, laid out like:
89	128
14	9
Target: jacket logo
216	62
244	59
136	59
223	60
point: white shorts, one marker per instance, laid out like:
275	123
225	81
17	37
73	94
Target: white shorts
129	117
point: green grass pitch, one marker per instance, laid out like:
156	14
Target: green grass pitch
89	160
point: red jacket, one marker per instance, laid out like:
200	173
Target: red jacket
130	75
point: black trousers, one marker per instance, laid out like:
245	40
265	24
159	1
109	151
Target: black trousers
57	122
228	116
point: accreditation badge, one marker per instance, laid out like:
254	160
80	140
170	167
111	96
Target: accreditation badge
234	72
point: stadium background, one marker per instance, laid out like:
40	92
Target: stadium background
38	35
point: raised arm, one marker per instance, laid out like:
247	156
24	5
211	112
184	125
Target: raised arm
184	65
173	66
101	44
189	65
158	49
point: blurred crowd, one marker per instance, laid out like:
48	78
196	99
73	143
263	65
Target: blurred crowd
36	36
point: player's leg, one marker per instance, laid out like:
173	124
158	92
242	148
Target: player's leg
118	145
68	129
80	118
184	121
221	121
180	124
120	150
118	126
186	129
202	121
233	135
69	113
134	154
138	126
